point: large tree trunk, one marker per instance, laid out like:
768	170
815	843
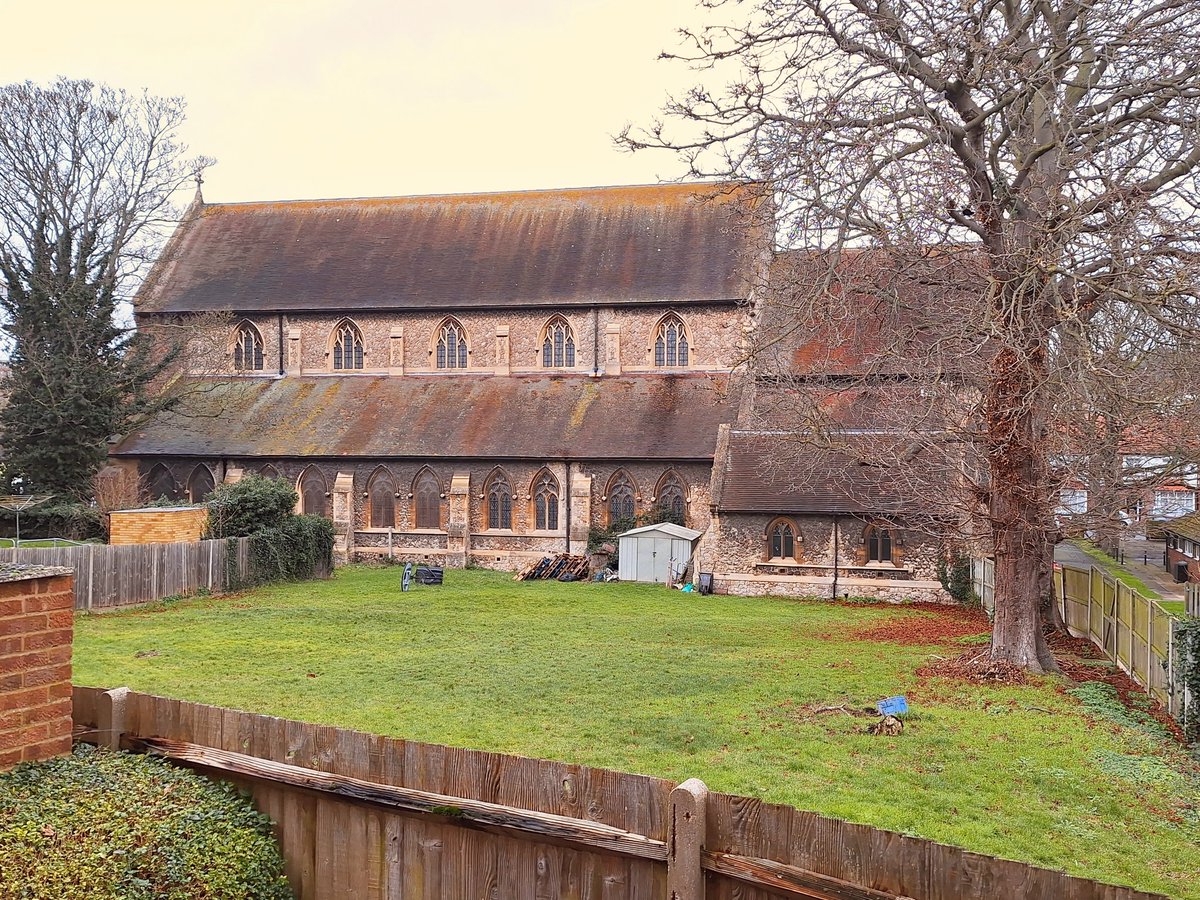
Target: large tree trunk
1017	509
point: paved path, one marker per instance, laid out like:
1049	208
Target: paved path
1151	573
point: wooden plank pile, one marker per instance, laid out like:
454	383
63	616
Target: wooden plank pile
575	567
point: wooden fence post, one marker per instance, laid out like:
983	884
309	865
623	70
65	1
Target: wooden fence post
110	717
685	841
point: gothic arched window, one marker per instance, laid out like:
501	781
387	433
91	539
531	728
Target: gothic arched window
670	342
781	539
452	345
200	484
247	348
670	498
161	483
381	499
622	505
879	541
268	471
347	347
545	501
427	500
558	344
313	491
499	501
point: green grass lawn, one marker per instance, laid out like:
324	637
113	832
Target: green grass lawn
641	679
47	542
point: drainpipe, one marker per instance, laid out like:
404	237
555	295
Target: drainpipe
281	343
836	529
595	341
567	503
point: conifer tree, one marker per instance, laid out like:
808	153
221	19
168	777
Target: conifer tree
87	175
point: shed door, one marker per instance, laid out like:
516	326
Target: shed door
646	559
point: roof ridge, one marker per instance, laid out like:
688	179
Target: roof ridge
480	194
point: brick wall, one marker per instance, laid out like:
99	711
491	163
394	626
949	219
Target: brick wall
157	525
36	629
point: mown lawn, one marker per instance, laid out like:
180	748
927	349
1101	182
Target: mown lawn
642	679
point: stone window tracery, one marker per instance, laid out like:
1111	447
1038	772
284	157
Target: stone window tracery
347	347
622	499
313	490
545	501
451	347
381	495
670	343
558	344
247	349
427	500
499	502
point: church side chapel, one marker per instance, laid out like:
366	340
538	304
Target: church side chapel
484	378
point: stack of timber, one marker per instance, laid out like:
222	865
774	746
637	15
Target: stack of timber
556	567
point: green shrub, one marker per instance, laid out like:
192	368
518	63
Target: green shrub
299	548
248	506
955	576
101	825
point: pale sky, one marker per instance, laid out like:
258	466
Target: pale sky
316	98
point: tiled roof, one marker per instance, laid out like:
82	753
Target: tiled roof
481	416
774	472
674	243
872	313
1185	526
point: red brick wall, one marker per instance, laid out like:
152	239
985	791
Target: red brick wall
36	629
1193	565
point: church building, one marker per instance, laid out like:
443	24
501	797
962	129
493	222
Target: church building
473	379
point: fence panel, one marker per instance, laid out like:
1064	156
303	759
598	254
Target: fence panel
107	576
337	845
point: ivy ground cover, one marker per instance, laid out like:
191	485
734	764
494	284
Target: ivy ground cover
758	696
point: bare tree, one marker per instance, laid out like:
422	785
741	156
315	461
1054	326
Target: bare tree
1051	145
87	177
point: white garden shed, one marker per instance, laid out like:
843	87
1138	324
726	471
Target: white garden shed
656	553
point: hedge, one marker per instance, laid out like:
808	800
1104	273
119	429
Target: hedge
102	825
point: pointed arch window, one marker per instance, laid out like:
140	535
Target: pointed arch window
313	491
670	498
499	502
622	504
381	499
247	349
879	541
427	500
671	342
452	345
268	471
200	484
347	347
782	537
161	483
558	344
545	501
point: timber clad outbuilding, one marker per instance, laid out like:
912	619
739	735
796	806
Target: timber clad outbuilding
465	378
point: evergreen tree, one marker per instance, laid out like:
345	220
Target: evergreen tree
86	179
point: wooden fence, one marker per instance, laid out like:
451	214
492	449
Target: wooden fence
364	816
108	576
1134	631
1192	600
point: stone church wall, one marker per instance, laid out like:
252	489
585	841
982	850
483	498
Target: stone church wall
735	549
503	342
